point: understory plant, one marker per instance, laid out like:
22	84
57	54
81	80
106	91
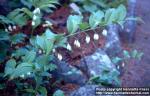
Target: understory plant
95	5
33	60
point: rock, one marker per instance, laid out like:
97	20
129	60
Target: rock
113	44
87	90
97	64
130	25
95	61
68	73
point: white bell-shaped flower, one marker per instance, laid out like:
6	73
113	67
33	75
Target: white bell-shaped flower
34	17
29	73
96	36
59	56
104	33
69	47
87	39
37	11
77	43
10	28
6	30
22	76
14	27
54	50
40	51
33	23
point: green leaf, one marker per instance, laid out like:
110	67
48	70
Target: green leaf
22	69
110	16
29	57
126	54
44	43
17	38
10	66
4	35
50	35
19	52
59	93
5	20
30	90
73	23
96	18
84	25
121	12
51	67
42	91
139	55
116	60
19	17
134	53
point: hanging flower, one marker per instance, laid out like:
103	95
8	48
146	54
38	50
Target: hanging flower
37	11
69	47
59	56
6	30
123	64
118	67
77	43
54	50
34	17
10	28
14	27
29	73
22	76
87	39
33	23
40	51
104	33
96	36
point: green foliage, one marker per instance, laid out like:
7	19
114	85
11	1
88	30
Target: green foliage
4	42
127	55
96	18
116	15
5	20
20	16
44	5
107	77
95	5
73	23
17	38
58	93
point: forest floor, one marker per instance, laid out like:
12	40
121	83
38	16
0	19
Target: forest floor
138	74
